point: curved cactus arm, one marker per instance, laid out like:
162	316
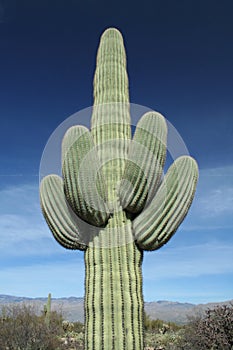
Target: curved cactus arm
159	221
145	162
59	217
84	185
110	122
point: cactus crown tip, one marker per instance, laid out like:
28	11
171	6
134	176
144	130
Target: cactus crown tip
111	32
189	159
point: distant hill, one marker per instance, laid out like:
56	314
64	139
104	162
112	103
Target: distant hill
72	307
177	312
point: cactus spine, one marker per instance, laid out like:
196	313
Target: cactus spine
113	184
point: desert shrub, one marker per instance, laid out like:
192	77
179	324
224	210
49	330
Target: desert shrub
162	335
22	329
78	327
212	331
71	340
170	340
152	325
159	326
73	337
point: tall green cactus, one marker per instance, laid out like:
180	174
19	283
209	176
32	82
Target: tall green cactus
47	310
113	186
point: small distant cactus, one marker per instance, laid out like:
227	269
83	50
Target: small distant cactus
47	310
114	186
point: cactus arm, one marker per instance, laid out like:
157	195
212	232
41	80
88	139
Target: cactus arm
59	217
110	123
145	162
159	221
84	184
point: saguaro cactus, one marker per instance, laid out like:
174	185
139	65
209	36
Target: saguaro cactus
47	310
112	202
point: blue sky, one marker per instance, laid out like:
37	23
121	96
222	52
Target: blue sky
180	58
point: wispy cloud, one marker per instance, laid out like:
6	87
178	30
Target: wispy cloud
197	264
219	201
24	235
212	258
216	191
20	199
21	217
22	228
213	204
32	263
15	228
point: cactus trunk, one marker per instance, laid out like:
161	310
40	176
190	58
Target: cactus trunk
113	293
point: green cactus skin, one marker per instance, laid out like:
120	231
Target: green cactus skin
113	286
86	192
58	215
144	165
113	186
47	310
110	123
157	223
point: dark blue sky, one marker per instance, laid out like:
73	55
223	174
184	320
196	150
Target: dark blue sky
180	58
180	63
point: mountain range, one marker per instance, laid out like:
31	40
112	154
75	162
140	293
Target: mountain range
72	308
